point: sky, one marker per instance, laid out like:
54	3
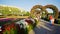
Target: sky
28	4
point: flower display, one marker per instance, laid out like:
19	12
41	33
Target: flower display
18	27
9	28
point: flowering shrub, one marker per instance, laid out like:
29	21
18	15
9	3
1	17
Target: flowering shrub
22	26
9	29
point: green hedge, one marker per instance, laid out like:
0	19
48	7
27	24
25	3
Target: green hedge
58	21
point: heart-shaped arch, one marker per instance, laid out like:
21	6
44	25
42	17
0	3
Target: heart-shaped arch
54	8
43	8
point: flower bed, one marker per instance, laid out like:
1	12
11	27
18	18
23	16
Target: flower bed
22	26
9	29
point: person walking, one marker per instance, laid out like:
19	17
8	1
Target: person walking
51	20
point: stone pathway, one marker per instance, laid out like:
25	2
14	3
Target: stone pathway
44	27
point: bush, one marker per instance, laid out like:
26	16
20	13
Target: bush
9	29
58	21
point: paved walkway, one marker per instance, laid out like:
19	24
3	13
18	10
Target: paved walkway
45	27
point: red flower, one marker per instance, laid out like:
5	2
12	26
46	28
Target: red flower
8	28
12	25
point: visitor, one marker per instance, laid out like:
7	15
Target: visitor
51	20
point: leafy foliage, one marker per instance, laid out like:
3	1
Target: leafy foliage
6	11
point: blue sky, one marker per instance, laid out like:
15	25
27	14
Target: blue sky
28	4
